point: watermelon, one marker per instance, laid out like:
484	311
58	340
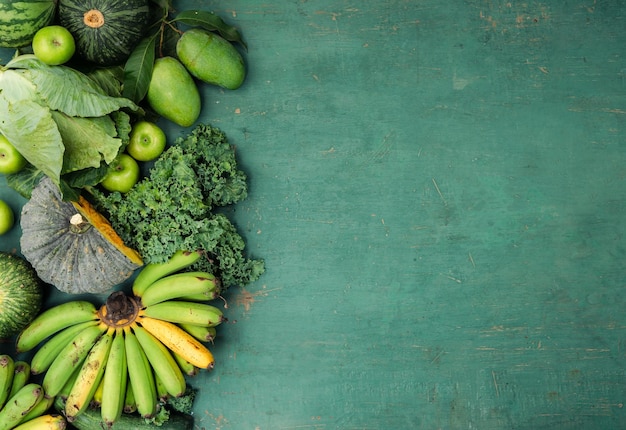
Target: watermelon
21	294
20	20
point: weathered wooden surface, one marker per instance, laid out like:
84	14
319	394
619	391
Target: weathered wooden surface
437	188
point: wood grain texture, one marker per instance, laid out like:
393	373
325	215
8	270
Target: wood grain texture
437	188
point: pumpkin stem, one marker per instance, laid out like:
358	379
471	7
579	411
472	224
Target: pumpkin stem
78	224
93	18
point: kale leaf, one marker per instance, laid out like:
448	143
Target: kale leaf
173	207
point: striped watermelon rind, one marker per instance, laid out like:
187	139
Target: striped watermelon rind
21	294
20	20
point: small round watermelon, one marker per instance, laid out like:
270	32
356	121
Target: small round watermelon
20	20
21	294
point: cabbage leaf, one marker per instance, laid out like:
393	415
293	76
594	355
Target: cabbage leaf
59	118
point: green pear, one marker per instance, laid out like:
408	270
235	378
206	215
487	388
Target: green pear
173	93
211	58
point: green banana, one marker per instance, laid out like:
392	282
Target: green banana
96	400
202	297
200	332
89	376
69	359
65	391
21	375
185	366
184	312
44	422
130	405
45	355
154	271
19	405
7	371
162	362
179	285
161	389
52	320
114	381
39	409
141	376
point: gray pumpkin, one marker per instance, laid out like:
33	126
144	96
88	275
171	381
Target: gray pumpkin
71	246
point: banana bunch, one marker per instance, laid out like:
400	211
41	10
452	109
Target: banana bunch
133	351
23	404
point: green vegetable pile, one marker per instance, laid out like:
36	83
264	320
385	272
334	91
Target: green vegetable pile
174	207
73	123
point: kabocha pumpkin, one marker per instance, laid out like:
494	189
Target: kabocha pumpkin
71	245
21	294
105	31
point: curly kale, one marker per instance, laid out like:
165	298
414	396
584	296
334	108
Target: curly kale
173	207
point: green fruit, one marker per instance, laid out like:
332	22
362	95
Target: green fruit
211	58
21	295
172	92
20	20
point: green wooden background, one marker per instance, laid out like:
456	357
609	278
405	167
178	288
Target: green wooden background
437	190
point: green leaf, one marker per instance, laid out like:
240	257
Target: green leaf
25	180
88	141
210	21
34	133
109	79
68	90
138	70
123	127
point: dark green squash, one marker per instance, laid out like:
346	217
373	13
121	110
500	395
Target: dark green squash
21	294
105	31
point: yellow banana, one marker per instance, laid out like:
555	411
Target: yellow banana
154	271
52	320
180	285
21	374
7	371
162	362
89	377
45	355
180	342
39	409
185	312
114	381
19	405
202	333
141	376
44	422
70	359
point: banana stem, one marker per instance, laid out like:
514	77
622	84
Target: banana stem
119	310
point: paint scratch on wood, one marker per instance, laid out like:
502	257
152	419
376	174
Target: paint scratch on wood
439	191
495	383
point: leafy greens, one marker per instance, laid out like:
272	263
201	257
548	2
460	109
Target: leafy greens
59	119
173	207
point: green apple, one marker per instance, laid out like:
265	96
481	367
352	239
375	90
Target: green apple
7	218
123	174
54	45
147	141
11	161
